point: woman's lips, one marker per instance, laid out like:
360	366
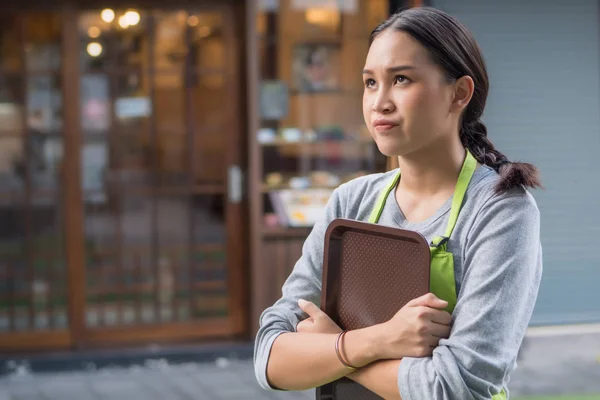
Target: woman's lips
384	125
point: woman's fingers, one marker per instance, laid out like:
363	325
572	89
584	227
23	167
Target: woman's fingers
305	325
428	300
439	331
440	317
310	308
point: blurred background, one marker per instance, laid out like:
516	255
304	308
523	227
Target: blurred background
162	162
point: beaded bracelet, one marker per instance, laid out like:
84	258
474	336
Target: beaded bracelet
339	352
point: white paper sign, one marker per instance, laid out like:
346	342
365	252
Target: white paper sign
346	6
132	107
268	5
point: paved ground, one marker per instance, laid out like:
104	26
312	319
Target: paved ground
566	364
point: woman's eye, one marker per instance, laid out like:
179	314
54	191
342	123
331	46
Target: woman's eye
401	79
369	83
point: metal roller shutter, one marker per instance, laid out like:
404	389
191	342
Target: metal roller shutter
544	107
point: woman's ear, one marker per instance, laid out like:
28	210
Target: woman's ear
463	91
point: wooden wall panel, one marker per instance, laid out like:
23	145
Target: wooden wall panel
278	260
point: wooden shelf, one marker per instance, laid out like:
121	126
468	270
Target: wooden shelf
345	142
267	189
286	232
142	288
345	150
176	190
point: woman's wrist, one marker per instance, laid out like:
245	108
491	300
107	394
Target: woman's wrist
363	346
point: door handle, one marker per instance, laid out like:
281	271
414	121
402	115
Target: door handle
234	184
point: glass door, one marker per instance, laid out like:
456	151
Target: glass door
120	176
160	159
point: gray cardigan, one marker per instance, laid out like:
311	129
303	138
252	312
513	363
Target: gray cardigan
498	268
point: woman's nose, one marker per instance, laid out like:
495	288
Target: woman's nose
383	103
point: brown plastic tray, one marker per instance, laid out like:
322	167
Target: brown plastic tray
369	272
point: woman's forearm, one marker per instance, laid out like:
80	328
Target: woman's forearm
380	377
300	361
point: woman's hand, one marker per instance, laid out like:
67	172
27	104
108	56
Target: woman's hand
317	321
416	329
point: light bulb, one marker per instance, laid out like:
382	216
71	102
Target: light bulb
123	23
94	49
132	17
94	32
193	20
107	15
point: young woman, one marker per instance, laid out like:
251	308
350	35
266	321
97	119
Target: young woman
425	87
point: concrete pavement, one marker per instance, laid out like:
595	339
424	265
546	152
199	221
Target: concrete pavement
550	364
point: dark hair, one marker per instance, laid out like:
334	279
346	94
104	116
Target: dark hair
454	48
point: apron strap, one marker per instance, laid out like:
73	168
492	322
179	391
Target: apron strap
464	178
466	173
376	213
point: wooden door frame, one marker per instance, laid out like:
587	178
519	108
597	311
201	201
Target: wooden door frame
73	204
237	249
257	281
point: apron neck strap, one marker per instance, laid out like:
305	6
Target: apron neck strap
376	213
466	173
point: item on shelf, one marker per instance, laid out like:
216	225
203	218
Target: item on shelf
299	182
360	134
271	220
291	134
274	100
300	208
320	178
334	180
266	135
274	179
323	178
330	132
354	175
316	67
310	135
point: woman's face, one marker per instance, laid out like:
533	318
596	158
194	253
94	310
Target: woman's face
407	102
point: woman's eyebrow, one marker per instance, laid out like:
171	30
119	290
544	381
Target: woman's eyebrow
391	69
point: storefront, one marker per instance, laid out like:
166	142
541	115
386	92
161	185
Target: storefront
146	197
161	165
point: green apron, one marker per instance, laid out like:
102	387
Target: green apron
441	281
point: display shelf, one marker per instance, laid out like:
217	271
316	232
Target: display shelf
285	232
316	143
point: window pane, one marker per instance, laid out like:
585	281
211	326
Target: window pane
12	164
10	43
207	40
45	161
48	287
210	127
95	103
11	104
42	42
131	132
44	103
170	49
113	38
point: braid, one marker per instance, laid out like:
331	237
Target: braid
473	136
